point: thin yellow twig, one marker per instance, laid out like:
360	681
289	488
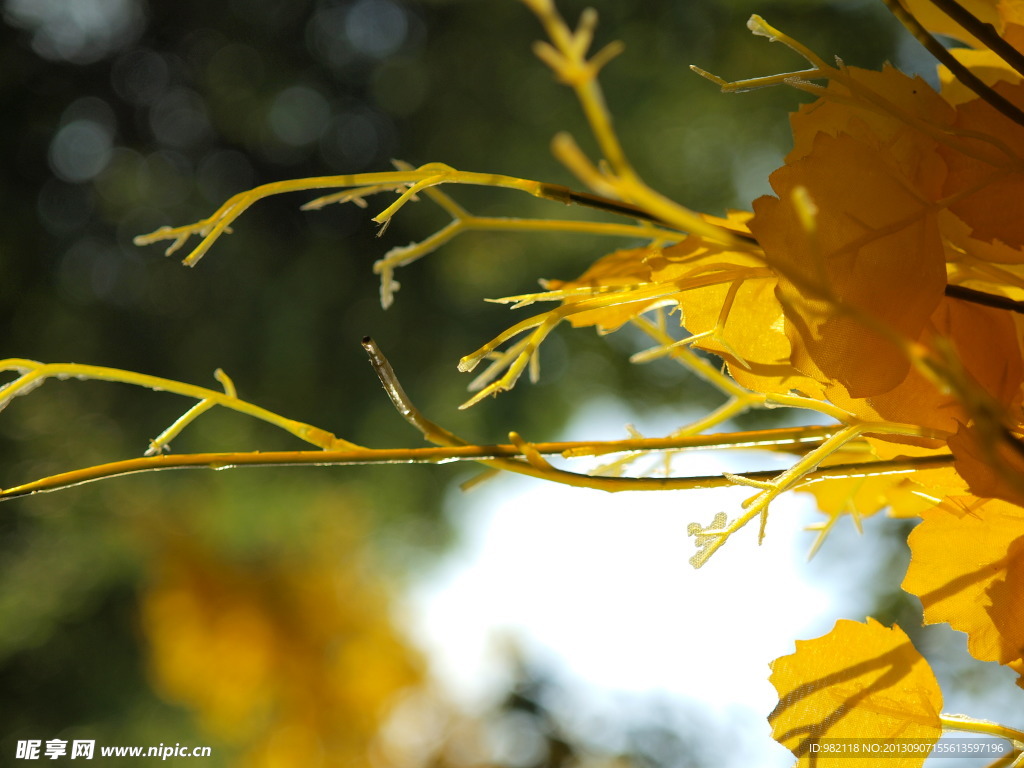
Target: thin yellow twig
487	454
566	55
34	373
986	727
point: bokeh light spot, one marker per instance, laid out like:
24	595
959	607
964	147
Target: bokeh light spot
64	208
82	31
80	150
299	115
352	141
223	173
400	86
179	118
235	71
376	27
140	77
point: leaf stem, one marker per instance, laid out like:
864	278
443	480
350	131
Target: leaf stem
986	727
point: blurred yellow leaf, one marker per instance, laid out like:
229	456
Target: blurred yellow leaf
934	20
293	658
984	64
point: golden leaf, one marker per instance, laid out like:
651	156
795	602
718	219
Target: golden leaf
873	108
736	315
986	344
935	20
866	496
618	270
967	567
859	681
843	288
984	64
991	464
980	182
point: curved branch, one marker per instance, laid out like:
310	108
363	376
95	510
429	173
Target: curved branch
506	454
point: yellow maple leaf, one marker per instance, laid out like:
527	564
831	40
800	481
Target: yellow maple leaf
901	495
979	182
986	344
991	464
934	20
1006	17
878	185
865	496
619	270
830	283
879	109
984	64
967	567
736	315
860	681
